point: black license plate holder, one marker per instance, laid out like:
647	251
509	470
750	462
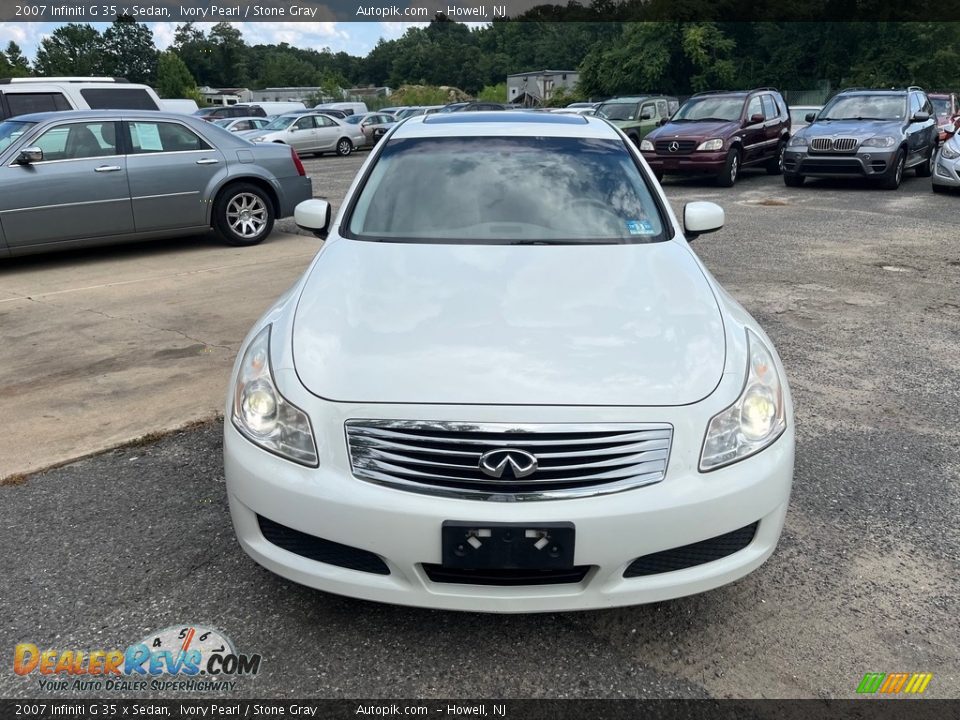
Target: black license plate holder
507	546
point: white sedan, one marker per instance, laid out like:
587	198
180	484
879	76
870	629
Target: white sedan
507	383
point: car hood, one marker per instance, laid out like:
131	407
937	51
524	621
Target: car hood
861	129
514	325
694	130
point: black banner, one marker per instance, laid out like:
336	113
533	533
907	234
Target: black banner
865	709
64	11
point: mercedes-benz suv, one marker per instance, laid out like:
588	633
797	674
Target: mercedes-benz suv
876	134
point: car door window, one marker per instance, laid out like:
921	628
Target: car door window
243	125
304	123
324	121
662	110
78	141
914	104
158	137
25	103
648	110
755	107
770	111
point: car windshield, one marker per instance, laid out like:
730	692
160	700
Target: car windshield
506	190
719	108
281	122
619	110
10	130
941	106
865	107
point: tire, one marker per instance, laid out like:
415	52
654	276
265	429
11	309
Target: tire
243	214
344	147
793	180
925	169
731	169
894	176
634	139
775	165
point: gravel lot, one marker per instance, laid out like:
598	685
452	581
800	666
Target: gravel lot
860	290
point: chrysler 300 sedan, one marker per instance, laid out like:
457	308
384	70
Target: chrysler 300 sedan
520	391
99	177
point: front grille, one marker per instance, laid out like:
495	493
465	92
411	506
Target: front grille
840	167
440	574
838	145
573	460
692	555
325	551
683	147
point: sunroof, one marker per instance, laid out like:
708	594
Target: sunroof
504	116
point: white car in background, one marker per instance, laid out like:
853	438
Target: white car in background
311	133
242	124
507	383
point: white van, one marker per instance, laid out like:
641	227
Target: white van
19	96
180	106
277	108
350	108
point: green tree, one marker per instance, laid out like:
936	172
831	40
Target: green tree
228	68
71	49
196	52
494	93
173	78
18	64
129	50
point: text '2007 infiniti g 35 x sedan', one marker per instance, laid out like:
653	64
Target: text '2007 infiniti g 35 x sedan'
506	383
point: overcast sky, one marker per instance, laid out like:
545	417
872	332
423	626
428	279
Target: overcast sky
355	38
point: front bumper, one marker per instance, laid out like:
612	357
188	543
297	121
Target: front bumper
404	528
695	163
861	163
946	172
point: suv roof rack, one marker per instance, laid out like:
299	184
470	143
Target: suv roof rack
912	88
731	92
27	80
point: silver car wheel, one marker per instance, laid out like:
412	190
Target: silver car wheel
246	215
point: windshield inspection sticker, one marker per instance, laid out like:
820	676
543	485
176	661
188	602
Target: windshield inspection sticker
640	227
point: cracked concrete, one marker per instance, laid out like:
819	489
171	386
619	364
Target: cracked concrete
100	347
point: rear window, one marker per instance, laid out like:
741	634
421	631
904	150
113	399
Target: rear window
118	99
513	190
24	103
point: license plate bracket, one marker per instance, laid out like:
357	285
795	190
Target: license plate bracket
507	546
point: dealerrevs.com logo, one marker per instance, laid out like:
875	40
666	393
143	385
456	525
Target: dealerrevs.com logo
177	658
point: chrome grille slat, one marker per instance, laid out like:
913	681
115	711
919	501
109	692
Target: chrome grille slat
839	145
573	460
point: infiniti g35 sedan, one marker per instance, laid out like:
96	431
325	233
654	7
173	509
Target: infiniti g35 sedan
521	391
99	177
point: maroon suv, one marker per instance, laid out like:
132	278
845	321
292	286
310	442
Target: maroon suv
718	133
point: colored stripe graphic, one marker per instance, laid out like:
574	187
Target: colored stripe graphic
871	682
893	683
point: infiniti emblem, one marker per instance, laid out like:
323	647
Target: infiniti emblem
520	462
674	146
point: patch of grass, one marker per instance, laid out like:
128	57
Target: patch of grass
13	480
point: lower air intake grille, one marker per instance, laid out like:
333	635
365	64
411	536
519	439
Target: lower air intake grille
325	551
688	556
440	574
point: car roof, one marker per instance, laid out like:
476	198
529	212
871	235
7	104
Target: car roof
515	124
630	98
100	114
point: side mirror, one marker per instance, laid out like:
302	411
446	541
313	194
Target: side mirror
810	117
30	155
646	116
700	218
313	216
920	117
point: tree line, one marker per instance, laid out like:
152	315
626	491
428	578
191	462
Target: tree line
612	57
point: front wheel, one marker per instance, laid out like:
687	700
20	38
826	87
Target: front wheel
731	169
344	147
793	180
895	174
775	164
243	215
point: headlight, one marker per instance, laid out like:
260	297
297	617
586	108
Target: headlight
755	420
646	145
263	415
947	152
714	144
797	141
880	141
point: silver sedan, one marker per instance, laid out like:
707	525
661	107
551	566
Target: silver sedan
314	133
93	177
